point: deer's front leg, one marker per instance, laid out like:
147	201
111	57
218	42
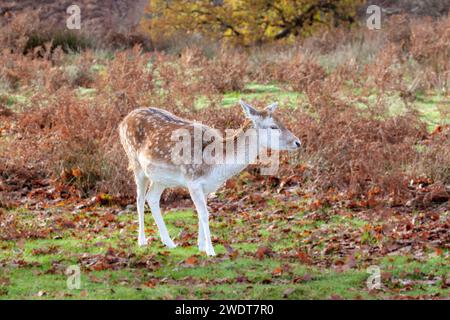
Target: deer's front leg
201	237
199	199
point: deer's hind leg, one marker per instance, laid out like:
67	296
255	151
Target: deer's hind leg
153	199
141	187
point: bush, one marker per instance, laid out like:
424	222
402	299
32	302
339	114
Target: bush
358	151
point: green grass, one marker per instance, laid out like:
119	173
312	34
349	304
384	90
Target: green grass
428	106
212	278
272	92
125	284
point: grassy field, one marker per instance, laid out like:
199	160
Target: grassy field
103	244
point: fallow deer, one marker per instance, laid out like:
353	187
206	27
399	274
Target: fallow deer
147	137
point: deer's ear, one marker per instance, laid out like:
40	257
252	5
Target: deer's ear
249	111
272	107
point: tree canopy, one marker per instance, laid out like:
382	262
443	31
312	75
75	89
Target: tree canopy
247	22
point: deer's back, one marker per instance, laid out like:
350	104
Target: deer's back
147	137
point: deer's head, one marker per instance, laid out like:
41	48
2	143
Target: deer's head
266	120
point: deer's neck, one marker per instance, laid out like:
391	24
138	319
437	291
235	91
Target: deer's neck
240	147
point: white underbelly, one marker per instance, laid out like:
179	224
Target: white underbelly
166	175
166	178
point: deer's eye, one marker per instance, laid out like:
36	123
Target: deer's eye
274	127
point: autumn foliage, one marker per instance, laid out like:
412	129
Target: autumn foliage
246	22
354	150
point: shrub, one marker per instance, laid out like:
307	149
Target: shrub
227	71
356	150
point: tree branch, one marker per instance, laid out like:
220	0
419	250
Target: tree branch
299	21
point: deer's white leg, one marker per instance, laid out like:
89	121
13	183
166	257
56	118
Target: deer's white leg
153	199
141	184
201	237
199	199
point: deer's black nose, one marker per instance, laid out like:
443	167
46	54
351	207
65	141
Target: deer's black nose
298	143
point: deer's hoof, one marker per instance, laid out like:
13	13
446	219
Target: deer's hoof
142	242
210	252
170	244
